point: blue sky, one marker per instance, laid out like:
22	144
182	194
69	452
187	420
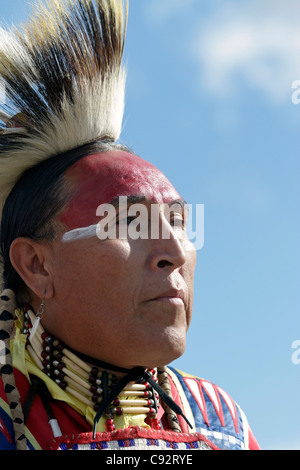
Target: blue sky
209	101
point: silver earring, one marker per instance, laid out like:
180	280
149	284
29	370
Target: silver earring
38	318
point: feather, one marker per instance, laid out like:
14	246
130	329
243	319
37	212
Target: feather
64	79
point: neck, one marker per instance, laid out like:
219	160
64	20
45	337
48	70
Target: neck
136	392
108	389
102	365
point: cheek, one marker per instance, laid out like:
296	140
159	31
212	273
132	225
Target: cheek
96	270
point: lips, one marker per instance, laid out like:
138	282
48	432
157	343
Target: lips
172	296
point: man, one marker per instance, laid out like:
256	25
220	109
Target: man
97	266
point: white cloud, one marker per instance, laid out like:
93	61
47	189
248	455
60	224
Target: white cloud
255	42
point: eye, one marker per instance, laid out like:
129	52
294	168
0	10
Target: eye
177	221
125	220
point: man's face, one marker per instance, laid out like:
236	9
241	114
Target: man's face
127	301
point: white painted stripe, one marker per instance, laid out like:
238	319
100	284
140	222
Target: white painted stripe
80	233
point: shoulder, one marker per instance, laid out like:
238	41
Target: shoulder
214	413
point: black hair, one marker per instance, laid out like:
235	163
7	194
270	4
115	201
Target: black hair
38	196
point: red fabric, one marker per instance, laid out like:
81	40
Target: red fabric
69	420
253	444
129	434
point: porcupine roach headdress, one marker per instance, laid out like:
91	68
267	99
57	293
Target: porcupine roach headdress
64	82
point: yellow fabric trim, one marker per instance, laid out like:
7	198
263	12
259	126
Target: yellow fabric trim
184	374
28	434
23	362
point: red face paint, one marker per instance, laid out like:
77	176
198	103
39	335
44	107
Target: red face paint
100	178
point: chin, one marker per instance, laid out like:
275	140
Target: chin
166	354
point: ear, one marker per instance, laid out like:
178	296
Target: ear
31	260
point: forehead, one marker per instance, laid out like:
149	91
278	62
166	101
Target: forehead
100	178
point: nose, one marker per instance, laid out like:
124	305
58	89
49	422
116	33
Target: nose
168	250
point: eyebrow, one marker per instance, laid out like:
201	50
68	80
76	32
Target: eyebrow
134	199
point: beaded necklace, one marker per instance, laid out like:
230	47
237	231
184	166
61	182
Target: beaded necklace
88	383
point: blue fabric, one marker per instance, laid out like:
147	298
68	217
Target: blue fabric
7	440
224	437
